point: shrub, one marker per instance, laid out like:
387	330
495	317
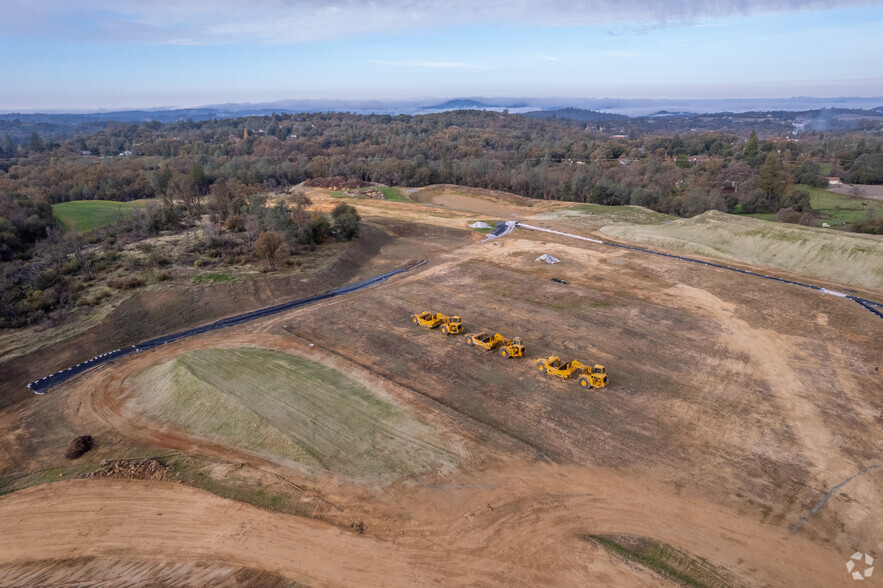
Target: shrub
272	247
346	222
102	293
127	283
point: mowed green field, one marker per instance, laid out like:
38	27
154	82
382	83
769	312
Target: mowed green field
291	408
87	215
837	209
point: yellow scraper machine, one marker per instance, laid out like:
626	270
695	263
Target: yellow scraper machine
450	325
508	347
591	377
587	376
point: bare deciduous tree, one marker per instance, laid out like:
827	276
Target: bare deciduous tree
272	248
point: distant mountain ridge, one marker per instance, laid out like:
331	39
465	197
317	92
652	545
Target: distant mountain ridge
631	107
468	103
842	113
575	114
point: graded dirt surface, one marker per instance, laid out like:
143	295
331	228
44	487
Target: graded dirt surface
735	406
869	192
518	526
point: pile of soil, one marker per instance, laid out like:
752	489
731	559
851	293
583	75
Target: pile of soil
374	194
141	469
79	446
336	183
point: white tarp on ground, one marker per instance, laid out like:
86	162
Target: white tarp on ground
479	225
548	258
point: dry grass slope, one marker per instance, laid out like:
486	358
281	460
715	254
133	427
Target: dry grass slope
290	408
848	258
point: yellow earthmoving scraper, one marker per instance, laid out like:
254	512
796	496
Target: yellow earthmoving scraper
591	377
508	347
450	325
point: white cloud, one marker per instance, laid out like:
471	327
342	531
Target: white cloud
294	21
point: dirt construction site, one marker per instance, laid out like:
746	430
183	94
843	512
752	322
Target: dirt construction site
738	442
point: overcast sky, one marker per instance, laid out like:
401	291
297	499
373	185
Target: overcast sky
89	54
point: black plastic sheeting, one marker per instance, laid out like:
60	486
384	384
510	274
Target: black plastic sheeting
499	229
868	304
43	384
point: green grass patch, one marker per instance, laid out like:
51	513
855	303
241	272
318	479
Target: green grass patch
490	222
664	560
212	278
87	215
837	209
292	408
389	194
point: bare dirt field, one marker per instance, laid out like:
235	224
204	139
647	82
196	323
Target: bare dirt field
735	406
859	191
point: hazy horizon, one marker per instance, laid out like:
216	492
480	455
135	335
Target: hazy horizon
97	55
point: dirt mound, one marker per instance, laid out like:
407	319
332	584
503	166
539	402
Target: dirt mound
140	469
291	408
336	183
79	446
426	194
372	194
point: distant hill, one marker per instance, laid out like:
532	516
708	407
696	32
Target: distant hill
163	116
469	104
575	114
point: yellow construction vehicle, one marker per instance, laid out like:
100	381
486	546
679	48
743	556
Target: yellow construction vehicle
426	319
450	325
591	377
513	348
508	347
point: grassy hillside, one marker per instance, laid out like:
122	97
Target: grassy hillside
86	215
848	258
291	408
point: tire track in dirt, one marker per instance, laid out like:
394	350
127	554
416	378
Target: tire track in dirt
518	523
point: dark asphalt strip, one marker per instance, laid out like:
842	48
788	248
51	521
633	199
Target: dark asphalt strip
42	385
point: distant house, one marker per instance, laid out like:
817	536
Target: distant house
832	181
697	158
619	136
85	153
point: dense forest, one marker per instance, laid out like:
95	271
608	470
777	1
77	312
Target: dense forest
223	168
